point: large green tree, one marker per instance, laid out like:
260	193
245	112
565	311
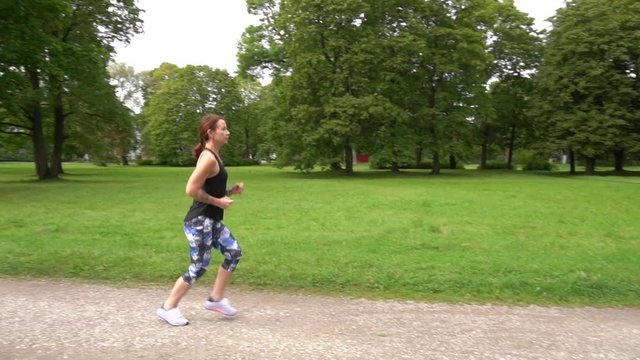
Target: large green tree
322	56
515	50
511	125
396	78
176	104
53	59
589	82
449	68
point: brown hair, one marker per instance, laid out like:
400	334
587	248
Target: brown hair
208	122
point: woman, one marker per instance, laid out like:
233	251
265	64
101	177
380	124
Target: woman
203	225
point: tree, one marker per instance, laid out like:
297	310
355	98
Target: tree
398	78
100	126
25	38
324	52
55	55
588	85
247	119
152	80
172	111
515	49
129	90
447	72
128	85
511	103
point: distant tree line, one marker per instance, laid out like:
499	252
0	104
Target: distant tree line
412	83
408	80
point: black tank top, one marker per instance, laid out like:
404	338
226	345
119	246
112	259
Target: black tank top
215	186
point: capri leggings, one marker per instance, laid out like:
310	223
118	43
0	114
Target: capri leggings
203	234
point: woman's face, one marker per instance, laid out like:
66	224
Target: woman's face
221	133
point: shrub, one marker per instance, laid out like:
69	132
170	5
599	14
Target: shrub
532	161
538	165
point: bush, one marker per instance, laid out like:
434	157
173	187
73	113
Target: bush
538	165
531	161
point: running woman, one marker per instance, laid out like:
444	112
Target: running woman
203	224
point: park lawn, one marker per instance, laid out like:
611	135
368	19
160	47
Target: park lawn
464	236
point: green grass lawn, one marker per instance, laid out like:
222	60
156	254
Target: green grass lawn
464	236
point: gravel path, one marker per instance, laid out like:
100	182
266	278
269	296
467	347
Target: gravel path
42	319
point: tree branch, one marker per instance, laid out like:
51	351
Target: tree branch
15	133
15	125
26	113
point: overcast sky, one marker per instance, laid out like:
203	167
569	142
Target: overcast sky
206	32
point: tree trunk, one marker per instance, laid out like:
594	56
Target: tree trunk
619	159
39	147
590	165
58	135
247	150
124	160
395	166
483	156
435	170
512	140
419	150
572	161
453	162
348	158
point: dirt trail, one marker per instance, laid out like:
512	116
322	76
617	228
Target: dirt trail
43	319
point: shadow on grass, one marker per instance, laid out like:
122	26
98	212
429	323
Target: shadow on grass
67	177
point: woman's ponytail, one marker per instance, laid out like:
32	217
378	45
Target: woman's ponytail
208	122
197	150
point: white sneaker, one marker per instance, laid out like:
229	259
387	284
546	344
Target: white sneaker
222	306
173	316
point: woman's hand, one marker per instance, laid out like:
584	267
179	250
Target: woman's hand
224	202
238	188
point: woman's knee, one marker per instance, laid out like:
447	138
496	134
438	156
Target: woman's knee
231	259
190	277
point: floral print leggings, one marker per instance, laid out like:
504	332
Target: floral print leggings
204	234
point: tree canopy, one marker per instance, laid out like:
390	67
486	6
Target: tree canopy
53	63
589	82
178	102
393	78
